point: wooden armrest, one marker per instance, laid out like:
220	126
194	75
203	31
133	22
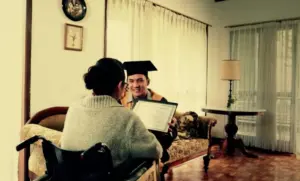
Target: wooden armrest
211	123
210	120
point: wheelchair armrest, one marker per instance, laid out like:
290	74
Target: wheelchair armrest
30	141
144	164
133	168
27	142
147	172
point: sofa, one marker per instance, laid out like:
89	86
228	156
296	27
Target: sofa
189	144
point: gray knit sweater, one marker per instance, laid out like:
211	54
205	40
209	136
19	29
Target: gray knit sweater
102	119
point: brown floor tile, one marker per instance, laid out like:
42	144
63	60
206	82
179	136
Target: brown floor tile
268	167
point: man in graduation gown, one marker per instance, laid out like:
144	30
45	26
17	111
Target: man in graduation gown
138	81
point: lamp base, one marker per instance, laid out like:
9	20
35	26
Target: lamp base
230	100
228	104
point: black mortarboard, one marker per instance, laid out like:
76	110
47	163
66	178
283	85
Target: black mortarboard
139	67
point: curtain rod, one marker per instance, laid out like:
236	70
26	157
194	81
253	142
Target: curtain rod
263	22
176	12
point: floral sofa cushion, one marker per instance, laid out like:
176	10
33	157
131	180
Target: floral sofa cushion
183	148
194	134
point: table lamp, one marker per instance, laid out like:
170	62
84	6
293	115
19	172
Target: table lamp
230	70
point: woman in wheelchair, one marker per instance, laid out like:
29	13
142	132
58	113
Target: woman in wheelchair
95	119
100	118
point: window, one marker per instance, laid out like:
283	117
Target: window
284	82
246	46
284	59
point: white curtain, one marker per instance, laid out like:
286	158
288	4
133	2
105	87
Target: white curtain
127	29
270	80
138	30
296	110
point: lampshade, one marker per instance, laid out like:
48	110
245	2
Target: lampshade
230	70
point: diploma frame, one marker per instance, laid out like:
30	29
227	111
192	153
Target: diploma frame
169	111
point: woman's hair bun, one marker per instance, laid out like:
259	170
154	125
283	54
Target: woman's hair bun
90	78
104	76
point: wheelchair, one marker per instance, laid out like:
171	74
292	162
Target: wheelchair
93	164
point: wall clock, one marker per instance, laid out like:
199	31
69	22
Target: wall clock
73	37
75	10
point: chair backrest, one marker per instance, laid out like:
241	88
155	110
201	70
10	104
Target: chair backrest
53	118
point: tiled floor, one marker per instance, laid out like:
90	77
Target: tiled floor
268	167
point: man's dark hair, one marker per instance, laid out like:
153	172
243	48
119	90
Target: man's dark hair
104	77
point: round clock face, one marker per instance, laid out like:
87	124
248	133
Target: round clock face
74	9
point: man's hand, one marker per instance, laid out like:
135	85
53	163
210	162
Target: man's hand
172	127
160	165
172	124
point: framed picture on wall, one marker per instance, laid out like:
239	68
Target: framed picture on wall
73	37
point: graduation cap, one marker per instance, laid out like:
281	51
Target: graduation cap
139	67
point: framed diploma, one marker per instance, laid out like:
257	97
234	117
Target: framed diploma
154	114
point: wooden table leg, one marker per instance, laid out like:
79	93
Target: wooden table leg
231	130
231	142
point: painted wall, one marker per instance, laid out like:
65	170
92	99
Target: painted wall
56	78
245	11
11	69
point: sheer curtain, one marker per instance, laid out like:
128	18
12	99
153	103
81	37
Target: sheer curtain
128	28
138	30
270	80
296	138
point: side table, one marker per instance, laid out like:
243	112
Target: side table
231	128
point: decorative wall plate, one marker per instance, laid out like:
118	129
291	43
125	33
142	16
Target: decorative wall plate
75	10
